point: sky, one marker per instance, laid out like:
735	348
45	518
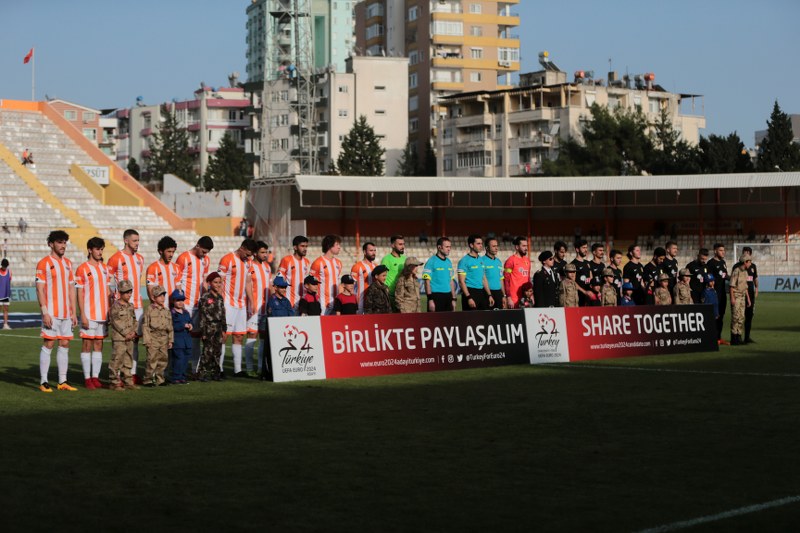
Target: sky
739	54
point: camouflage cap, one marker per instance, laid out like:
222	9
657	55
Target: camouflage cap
745	257
158	290
663	277
607	272
124	286
684	272
570	268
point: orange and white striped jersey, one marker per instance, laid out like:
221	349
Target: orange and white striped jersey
234	271
125	266
294	271
328	272
164	274
361	272
192	273
93	279
261	278
57	276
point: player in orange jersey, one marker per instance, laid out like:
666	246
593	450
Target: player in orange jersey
261	284
328	270
516	271
234	269
55	290
361	272
128	264
94	298
163	272
294	269
193	268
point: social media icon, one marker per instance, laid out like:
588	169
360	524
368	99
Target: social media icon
460	358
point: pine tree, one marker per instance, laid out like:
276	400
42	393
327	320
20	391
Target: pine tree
427	165
133	168
777	151
362	154
170	150
408	161
724	155
671	154
228	167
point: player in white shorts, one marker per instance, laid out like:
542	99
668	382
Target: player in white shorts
234	269
55	290
92	284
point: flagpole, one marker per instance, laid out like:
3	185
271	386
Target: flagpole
33	76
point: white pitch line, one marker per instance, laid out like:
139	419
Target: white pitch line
721	516
673	370
20	336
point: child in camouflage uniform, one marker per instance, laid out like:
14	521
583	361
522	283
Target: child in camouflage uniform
123	324
661	294
608	296
157	337
682	291
212	328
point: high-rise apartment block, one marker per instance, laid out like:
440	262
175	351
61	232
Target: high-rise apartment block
452	45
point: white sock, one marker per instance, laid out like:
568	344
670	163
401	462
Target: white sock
62	358
97	362
237	358
44	363
222	358
249	348
135	358
86	363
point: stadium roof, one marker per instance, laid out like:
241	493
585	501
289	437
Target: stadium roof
569	184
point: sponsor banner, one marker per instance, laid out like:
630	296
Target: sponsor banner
778	283
296	348
98	174
606	332
547	334
371	345
23	294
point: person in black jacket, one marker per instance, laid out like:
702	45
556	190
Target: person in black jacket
698	269
545	282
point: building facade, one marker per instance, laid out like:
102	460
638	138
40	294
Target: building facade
452	45
510	132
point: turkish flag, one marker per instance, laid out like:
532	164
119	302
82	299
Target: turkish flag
28	57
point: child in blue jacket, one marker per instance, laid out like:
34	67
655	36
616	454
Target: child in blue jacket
709	295
182	343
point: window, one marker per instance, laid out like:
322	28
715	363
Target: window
232	114
280	168
476	53
475	76
375	10
413	80
343	113
284	120
498	158
413	125
413	103
380	111
342	88
380	87
652	105
284	144
413	13
71	115
90	133
89	116
474	159
475	8
375	30
413	57
614	101
508	54
476	31
444	27
447	163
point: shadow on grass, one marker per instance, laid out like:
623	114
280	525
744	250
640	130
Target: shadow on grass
503	449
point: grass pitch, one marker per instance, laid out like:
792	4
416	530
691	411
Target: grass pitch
616	445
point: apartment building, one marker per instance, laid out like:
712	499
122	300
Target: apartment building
510	132
370	86
452	45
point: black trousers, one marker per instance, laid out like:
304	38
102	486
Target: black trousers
722	298
498	299
442	300
478	296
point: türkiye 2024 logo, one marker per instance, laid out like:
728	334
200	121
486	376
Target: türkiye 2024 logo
297	352
547	338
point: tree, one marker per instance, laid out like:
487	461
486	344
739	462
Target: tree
133	168
409	162
228	167
777	151
170	150
723	155
427	165
671	154
614	143
362	154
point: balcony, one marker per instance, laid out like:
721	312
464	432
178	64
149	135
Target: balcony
482	119
448	85
536	140
530	115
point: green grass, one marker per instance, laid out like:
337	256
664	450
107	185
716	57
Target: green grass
564	447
